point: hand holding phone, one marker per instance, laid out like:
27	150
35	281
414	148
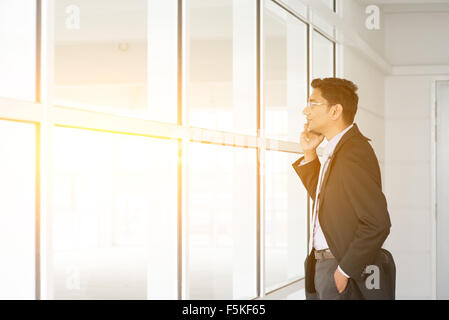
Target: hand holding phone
309	141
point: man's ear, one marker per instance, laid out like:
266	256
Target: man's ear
337	111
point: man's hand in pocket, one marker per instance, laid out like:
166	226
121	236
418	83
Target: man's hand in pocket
340	281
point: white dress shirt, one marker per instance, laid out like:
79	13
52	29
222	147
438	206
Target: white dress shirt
318	239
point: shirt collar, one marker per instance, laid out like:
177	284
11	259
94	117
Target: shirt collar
330	147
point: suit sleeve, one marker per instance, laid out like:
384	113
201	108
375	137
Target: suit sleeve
308	173
363	188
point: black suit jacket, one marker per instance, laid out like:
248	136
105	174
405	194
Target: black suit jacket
353	211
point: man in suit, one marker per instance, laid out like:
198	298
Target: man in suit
350	221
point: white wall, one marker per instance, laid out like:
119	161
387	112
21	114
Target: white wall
364	72
370	114
412	39
408	183
417	38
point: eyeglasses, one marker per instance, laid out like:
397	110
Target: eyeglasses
313	104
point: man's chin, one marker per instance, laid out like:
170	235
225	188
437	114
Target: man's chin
314	131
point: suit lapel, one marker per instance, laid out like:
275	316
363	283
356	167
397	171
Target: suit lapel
348	135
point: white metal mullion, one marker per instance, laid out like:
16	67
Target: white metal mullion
76	118
262	146
18	110
109	122
184	149
185	235
46	149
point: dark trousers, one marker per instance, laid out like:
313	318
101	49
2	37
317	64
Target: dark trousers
325	284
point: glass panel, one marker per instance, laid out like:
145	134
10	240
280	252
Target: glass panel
285	221
17	210
323	57
162	60
115	216
101	53
285	73
323	62
221	223
322	23
221	66
18	54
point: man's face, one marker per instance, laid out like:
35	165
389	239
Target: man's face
318	114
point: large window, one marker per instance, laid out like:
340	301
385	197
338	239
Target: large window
100	53
18	54
17	210
114	203
285	72
221	222
221	65
285	221
111	55
323	56
147	145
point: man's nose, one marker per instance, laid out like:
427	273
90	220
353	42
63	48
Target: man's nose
305	111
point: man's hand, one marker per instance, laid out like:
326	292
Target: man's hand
340	281
309	142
